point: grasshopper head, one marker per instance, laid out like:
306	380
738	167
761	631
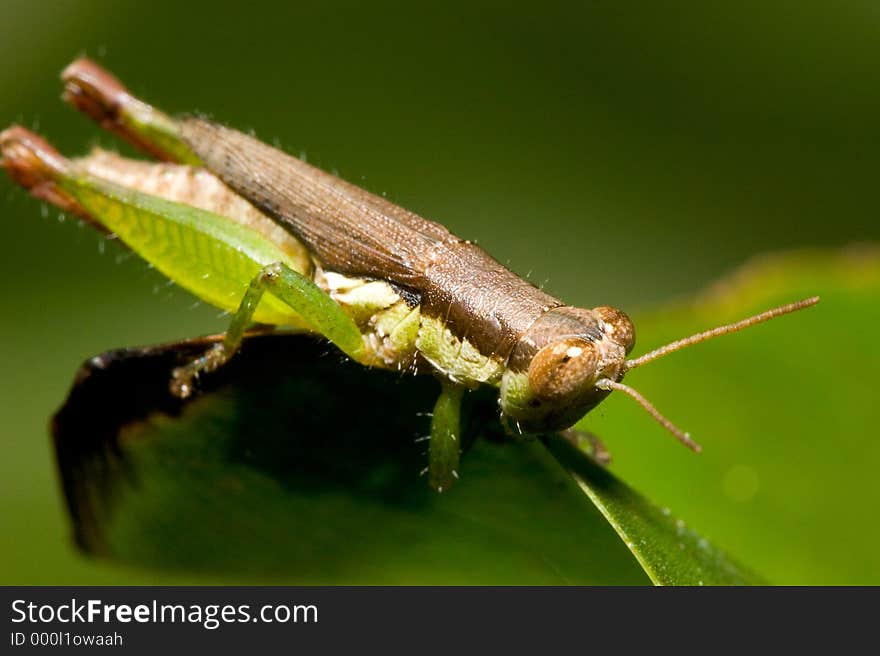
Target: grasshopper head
551	376
570	359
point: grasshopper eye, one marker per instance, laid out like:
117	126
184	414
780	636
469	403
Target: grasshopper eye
563	369
617	326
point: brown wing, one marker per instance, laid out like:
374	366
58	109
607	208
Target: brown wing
350	230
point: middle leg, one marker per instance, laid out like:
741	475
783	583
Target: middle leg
301	294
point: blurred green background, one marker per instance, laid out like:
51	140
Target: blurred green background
622	153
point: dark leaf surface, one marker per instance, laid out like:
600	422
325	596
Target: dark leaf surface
295	466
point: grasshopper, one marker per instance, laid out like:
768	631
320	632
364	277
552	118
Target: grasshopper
276	241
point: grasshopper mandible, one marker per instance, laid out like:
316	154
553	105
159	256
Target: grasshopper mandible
277	241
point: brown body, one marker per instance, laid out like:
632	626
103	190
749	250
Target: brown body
550	355
358	233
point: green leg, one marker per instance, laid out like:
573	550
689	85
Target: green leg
301	294
445	445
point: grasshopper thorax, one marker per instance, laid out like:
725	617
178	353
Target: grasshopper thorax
550	381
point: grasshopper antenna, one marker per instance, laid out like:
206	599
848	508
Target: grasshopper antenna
682	436
720	330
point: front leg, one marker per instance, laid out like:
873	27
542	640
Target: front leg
445	445
301	294
589	443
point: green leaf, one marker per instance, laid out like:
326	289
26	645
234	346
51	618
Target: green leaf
295	466
668	550
786	412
